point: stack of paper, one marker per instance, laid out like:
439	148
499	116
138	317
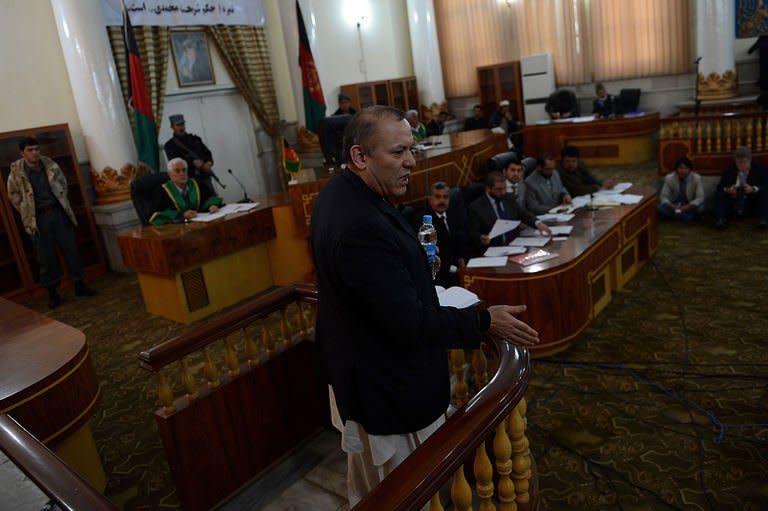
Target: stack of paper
551	218
225	210
538	241
503	251
487	262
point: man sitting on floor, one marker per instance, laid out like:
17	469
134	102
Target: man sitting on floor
180	198
682	195
742	190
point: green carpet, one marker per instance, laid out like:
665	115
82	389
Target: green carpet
660	404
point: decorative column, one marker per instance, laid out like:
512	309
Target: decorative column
425	52
715	29
99	102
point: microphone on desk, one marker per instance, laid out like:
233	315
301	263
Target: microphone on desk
698	59
245	198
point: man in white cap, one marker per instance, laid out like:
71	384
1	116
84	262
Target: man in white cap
505	119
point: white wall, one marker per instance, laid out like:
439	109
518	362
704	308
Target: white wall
333	36
36	89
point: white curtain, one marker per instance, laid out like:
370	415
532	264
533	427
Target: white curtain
590	40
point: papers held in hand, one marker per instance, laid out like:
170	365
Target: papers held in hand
502	227
456	297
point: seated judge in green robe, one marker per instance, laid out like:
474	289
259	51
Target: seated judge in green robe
180	198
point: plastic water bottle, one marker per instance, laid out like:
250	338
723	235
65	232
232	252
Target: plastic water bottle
428	240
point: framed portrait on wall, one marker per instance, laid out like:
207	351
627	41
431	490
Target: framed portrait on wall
191	58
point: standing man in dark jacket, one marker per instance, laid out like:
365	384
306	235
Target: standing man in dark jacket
381	334
192	150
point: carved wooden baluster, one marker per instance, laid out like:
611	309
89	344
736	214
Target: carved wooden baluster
480	365
728	135
301	321
188	380
708	136
698	138
718	136
484	479
759	135
230	357
749	133
285	329
502	451
738	132
251	348
266	338
165	393
210	370
461	493
460	392
435	504
690	129
521	458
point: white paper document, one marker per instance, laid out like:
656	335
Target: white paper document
538	241
628	198
550	218
456	297
562	208
560	238
503	251
556	229
225	210
621	187
503	226
487	262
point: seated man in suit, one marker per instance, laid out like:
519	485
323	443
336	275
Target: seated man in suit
576	178
496	204
562	104
180	198
451	234
604	104
682	195
477	121
742	190
544	189
437	124
515	184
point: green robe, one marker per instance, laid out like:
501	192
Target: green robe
169	205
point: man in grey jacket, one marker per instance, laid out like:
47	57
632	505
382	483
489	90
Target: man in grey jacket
544	188
682	195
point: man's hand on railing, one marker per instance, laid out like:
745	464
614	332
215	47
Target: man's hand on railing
505	325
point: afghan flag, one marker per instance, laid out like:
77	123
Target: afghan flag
314	102
291	161
138	99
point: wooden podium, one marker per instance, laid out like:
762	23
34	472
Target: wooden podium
48	385
189	271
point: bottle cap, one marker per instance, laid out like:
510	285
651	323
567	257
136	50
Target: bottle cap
427	219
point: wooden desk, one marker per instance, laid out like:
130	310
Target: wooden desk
457	158
189	271
601	142
604	251
47	383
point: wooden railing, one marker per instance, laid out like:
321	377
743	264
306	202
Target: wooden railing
710	139
257	396
491	425
51	475
244	417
